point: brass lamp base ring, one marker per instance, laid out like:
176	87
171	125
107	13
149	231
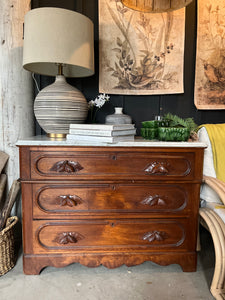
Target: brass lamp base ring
56	135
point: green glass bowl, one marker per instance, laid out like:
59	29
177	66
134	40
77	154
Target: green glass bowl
150	124
149	133
155	123
173	134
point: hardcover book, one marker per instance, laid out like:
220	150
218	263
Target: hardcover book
103	139
102	126
98	132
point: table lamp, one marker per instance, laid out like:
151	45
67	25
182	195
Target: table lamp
156	6
58	42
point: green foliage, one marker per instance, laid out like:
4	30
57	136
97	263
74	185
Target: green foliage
175	121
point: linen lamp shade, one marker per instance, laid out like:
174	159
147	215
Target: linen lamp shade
59	41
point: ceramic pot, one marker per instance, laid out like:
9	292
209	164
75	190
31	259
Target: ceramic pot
118	117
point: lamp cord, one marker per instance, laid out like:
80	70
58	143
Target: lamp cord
35	82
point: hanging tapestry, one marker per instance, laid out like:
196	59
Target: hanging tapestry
140	53
210	57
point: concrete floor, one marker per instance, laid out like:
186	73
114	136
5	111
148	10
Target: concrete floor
144	282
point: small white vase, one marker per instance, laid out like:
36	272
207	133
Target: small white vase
118	117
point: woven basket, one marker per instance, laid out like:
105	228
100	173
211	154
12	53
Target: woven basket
7	246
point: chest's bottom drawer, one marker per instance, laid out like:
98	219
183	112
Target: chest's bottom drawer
113	235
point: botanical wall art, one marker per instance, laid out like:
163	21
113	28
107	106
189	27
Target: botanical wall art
210	58
140	53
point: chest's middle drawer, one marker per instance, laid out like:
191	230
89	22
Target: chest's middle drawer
73	199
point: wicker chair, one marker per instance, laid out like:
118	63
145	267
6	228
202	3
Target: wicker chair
212	215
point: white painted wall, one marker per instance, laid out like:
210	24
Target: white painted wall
16	87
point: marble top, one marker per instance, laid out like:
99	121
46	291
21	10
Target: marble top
138	142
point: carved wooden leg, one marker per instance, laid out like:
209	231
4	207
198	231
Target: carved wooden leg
217	230
189	263
32	265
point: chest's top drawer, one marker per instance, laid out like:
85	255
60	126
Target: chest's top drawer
114	163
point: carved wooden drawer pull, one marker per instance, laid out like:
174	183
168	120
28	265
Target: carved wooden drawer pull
68	237
66	166
69	200
157	168
154	200
155	235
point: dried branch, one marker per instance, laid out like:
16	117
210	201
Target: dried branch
15	188
3	160
3	179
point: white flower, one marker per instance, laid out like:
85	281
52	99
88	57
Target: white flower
99	101
91	103
107	98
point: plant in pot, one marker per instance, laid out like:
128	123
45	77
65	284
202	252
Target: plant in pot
178	129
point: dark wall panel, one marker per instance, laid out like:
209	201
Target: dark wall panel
141	108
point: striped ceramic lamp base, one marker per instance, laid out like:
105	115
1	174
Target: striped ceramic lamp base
58	105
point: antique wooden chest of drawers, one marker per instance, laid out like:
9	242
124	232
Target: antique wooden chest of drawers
112	204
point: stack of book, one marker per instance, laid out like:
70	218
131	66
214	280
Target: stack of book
101	133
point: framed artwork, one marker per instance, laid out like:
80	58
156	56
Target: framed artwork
140	53
210	56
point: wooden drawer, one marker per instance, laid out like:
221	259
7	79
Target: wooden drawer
112	235
143	165
57	200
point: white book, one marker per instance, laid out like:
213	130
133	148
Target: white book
102	126
104	139
97	132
